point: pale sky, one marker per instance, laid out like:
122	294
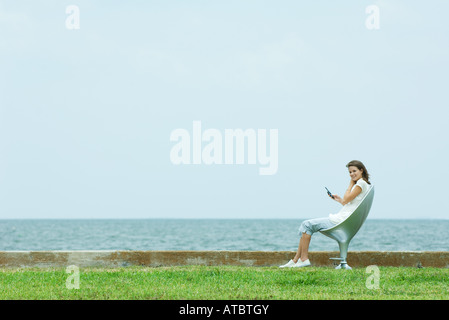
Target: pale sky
86	114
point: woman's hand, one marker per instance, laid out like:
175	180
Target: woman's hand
351	184
337	198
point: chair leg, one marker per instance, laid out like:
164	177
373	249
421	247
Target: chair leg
343	255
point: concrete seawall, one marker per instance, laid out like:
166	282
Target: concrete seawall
112	259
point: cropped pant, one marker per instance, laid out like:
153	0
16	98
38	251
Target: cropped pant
314	225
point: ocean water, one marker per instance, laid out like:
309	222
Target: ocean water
211	234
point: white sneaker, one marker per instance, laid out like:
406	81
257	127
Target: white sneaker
289	264
301	264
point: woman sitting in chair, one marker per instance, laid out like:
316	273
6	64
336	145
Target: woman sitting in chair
358	187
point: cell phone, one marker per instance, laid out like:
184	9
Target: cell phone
329	193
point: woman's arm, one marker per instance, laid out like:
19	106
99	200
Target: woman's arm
349	195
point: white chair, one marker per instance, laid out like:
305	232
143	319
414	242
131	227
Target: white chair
346	230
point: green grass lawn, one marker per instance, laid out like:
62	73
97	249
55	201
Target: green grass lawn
225	283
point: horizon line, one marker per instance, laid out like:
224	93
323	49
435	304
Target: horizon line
203	218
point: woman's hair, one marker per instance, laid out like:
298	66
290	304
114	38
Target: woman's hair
360	166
